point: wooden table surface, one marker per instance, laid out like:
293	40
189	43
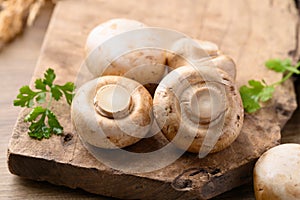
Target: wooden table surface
17	63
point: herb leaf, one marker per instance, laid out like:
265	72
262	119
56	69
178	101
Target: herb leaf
53	123
67	89
43	122
254	93
266	93
39	128
259	91
282	66
25	97
40	85
56	93
49	77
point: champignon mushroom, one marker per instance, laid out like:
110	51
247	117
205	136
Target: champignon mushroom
222	62
203	53
207	110
109	29
147	66
112	112
277	174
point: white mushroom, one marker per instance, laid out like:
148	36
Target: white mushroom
109	29
112	112
200	52
147	66
222	62
277	174
207	110
194	50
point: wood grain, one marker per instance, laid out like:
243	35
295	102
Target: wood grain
61	59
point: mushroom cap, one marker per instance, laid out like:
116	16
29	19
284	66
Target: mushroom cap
191	49
224	63
203	53
277	173
109	29
143	65
192	103
99	114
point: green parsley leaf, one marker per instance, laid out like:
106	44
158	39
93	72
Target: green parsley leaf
278	65
250	105
40	85
53	123
49	77
34	114
281	66
266	93
68	90
39	128
254	94
43	122
25	97
56	93
258	92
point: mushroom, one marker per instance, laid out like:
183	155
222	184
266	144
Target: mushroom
198	111
147	66
112	112
109	29
201	52
277	173
222	62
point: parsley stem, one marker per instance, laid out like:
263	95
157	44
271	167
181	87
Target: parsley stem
50	101
283	79
286	77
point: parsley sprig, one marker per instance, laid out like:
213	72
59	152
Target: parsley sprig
43	122
259	91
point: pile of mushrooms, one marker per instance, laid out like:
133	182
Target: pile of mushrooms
202	104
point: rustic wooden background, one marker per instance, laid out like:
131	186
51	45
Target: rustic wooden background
17	62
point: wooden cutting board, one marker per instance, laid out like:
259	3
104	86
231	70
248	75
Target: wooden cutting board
249	31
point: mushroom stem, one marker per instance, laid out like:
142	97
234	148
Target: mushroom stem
205	105
113	101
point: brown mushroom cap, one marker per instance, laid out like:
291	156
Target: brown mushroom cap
112	112
277	173
192	103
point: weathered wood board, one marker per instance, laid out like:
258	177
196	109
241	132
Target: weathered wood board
242	29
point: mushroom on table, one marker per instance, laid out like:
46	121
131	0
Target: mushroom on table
201	53
277	174
197	110
146	66
112	112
